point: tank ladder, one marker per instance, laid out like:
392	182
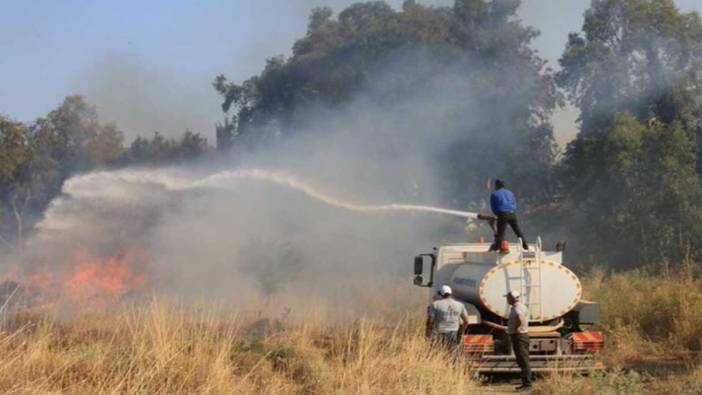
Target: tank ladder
530	280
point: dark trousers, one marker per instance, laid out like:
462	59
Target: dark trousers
520	346
502	221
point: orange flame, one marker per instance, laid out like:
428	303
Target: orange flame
111	278
88	279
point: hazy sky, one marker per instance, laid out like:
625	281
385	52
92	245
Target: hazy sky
148	64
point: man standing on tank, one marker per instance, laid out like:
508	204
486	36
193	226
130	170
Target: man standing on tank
504	205
518	331
445	317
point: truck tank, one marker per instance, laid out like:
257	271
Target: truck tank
549	289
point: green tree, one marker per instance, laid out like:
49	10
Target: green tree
157	150
105	147
36	159
70	139
633	193
67	131
637	56
630	192
481	42
191	146
13	149
15	156
160	150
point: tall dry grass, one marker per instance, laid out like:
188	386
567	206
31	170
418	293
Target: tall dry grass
372	346
653	327
162	347
648	316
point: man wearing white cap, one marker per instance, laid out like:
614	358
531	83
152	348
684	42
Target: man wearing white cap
518	330
445	317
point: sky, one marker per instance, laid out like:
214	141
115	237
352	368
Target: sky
148	65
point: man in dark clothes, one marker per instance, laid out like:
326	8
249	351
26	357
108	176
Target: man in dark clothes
518	331
504	206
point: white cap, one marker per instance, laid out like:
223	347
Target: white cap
514	294
445	290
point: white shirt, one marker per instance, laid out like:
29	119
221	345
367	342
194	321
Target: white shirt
446	314
518	310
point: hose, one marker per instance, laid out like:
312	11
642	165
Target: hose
536	329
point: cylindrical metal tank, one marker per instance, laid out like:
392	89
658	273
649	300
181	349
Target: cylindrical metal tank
549	289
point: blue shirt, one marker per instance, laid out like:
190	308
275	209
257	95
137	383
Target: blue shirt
502	201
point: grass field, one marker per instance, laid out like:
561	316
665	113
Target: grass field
162	346
653	324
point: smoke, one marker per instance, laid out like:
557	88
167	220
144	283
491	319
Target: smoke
308	215
317	211
313	212
191	225
142	97
142	100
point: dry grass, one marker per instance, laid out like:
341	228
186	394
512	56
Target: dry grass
652	325
164	348
648	316
621	381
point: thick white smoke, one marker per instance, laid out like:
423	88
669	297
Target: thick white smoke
324	215
110	212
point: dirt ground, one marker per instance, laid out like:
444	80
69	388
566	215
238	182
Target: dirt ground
658	376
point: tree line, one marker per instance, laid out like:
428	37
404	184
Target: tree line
626	191
37	157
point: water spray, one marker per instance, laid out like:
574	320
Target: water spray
219	179
114	185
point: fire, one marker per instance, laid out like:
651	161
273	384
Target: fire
88	279
112	278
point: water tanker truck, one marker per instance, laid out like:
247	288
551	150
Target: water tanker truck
560	322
